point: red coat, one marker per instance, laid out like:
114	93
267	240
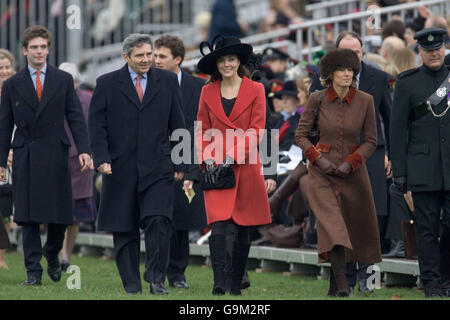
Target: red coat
247	203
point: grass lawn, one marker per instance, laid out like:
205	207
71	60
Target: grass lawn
100	281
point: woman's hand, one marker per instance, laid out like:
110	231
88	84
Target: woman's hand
325	165
344	170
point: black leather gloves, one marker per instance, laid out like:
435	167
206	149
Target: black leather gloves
401	184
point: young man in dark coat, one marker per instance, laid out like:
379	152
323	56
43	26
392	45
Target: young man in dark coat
36	100
374	82
133	112
169	54
421	155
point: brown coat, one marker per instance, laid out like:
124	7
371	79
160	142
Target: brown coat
344	208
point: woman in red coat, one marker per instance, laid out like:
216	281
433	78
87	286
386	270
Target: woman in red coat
231	118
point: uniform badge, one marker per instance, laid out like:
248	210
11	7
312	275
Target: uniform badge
430	37
441	92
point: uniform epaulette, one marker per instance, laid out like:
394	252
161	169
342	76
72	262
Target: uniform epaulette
407	73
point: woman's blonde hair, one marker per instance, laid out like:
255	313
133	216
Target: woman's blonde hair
404	59
5	54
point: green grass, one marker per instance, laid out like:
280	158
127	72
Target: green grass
100	281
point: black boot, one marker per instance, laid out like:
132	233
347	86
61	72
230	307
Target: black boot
397	250
332	291
286	189
217	249
339	268
239	263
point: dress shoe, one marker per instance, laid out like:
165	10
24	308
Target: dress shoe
363	288
445	285
433	296
158	288
64	264
397	250
54	270
32	281
180	284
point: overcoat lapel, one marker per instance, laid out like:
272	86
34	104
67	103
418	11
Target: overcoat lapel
186	89
152	88
51	85
128	88
24	85
366	80
244	99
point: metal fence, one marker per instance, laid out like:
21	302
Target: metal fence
78	25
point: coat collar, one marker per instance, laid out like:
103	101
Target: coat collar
332	94
129	89
245	97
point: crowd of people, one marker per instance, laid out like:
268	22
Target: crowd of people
372	127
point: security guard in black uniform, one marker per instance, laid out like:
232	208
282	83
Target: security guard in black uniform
420	154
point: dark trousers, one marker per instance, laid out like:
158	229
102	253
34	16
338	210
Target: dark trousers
157	233
179	255
428	207
32	247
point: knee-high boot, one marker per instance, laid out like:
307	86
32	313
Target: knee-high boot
217	249
332	291
339	268
286	189
239	263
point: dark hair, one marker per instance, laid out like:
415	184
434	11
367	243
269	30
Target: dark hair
393	28
345	33
33	32
242	72
173	43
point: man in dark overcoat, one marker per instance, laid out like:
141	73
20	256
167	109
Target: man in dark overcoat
169	54
420	144
36	100
374	82
133	112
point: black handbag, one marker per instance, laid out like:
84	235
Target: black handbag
6	204
226	179
314	134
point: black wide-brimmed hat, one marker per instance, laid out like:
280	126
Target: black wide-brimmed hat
339	58
219	47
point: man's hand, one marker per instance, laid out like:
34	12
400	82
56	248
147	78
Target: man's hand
85	161
178	176
387	167
401	184
105	168
344	170
325	165
271	185
188	185
3	174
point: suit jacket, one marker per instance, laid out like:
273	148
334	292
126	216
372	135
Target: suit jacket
375	82
41	180
247	203
134	138
190	216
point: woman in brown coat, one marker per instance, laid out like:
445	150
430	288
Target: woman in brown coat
339	189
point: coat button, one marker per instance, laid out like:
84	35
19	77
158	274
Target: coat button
442	140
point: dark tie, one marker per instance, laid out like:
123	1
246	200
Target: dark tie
139	90
38	85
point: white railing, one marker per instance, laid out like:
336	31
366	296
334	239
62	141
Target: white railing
315	30
332	8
